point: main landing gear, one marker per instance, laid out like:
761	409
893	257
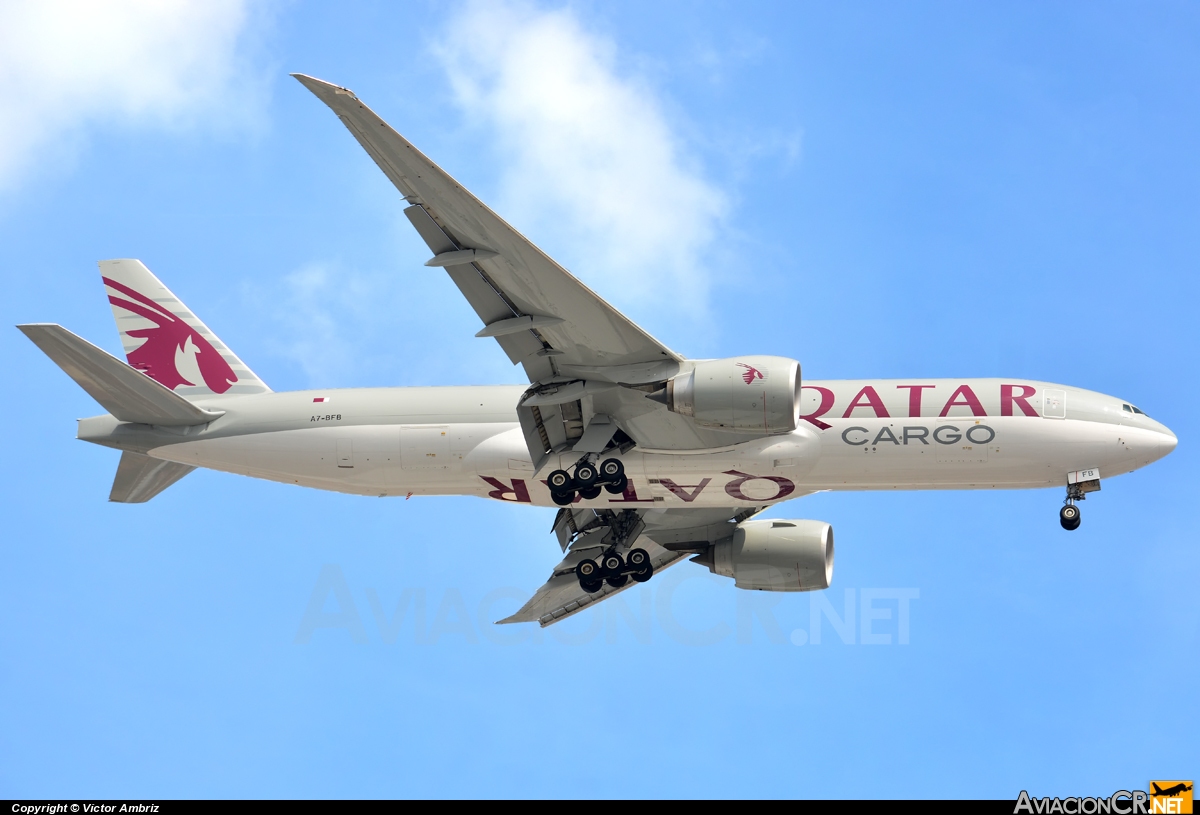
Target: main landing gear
588	481
615	570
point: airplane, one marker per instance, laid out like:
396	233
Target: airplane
651	457
1170	792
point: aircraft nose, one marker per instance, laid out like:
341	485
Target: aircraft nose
1165	442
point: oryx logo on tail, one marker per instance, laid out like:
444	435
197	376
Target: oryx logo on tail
751	374
173	353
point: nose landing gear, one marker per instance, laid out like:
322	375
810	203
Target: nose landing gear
1069	517
588	480
1079	483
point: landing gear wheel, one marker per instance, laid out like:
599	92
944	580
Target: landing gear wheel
562	498
588	571
617	487
591	492
591	586
612	564
586	475
559	481
1069	517
611	469
617	582
639	560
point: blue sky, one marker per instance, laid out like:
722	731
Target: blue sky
925	189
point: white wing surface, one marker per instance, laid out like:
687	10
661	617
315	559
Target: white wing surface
668	536
576	349
541	315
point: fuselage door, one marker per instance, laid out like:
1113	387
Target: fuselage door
1054	404
425	447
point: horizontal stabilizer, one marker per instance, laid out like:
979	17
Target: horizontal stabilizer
140	478
126	393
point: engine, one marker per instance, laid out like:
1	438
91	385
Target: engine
775	555
749	394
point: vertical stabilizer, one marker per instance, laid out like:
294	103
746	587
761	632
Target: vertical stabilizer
166	341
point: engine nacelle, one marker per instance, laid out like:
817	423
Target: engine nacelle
749	394
775	555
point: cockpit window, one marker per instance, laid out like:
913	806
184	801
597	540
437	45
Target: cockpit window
1138	412
1132	409
1127	408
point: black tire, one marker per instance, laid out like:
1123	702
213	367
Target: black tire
617	582
639	561
559	481
586	475
562	498
612	564
591	492
611	470
591	586
587	571
1069	517
618	487
1071	526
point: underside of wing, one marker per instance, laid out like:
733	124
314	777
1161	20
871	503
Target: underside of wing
668	536
587	363
541	315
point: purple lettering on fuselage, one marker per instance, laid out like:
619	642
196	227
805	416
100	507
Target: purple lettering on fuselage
1014	401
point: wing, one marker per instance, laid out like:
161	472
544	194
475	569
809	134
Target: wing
667	535
576	349
541	315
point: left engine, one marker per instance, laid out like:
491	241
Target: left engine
775	555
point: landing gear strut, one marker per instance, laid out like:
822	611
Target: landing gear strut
1069	515
588	480
616	564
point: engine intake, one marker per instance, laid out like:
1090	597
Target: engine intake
775	555
749	394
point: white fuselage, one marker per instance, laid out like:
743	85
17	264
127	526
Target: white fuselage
854	435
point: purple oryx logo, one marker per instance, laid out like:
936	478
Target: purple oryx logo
170	345
751	374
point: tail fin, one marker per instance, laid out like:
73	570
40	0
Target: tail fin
166	341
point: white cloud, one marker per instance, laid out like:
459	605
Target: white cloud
584	149
68	63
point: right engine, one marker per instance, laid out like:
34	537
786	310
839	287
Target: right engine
775	555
